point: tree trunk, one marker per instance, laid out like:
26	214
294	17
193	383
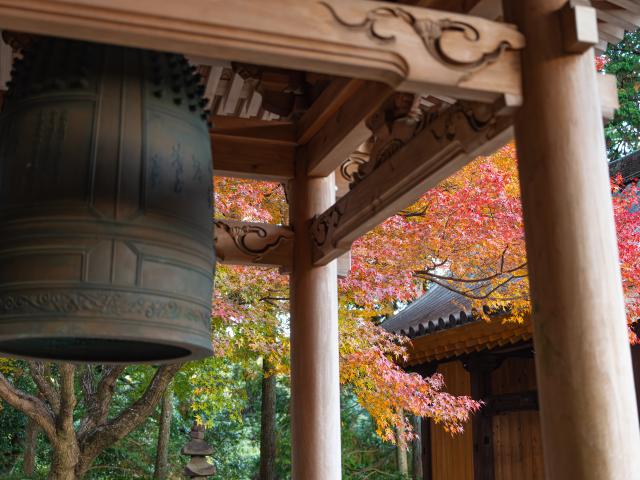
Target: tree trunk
65	460
416	451
30	446
268	425
401	454
162	455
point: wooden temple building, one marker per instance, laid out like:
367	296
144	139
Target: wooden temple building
360	107
489	361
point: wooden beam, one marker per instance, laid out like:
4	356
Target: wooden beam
345	130
330	100
252	148
455	137
444	345
411	48
247	243
265	150
512	402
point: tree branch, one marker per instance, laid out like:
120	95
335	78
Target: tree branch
39	372
470	295
434	276
64	418
98	401
31	406
130	418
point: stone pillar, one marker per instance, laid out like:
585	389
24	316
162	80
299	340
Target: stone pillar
315	383
586	388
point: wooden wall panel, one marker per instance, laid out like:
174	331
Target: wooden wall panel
517	446
514	375
517	443
453	456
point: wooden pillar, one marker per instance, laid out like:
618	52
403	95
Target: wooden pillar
586	389
315	395
480	368
635	363
426	370
416	450
427	455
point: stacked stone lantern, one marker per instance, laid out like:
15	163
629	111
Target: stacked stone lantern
198	450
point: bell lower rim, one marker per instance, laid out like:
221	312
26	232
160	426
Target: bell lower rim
85	340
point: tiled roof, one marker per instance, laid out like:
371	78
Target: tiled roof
628	167
442	326
438	309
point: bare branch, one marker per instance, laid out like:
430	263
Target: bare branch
434	276
470	295
39	372
31	406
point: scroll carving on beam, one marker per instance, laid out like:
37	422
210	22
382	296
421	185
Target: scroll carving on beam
433	35
246	243
457	43
411	154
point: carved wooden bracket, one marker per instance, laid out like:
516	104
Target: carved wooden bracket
246	243
431	150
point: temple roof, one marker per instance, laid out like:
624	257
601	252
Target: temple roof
442	326
433	321
438	309
628	167
442	309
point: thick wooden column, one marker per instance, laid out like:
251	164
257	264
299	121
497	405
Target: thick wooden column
315	397
586	389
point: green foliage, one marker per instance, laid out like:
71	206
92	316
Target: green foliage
623	60
12	424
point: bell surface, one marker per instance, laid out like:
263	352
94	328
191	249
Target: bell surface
106	241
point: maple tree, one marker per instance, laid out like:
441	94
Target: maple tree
466	234
251	304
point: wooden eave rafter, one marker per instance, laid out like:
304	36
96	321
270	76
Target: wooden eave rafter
473	337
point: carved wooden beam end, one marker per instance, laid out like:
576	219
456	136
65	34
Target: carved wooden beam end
415	155
579	28
247	243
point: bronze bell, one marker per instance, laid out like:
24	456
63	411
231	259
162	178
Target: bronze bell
106	243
